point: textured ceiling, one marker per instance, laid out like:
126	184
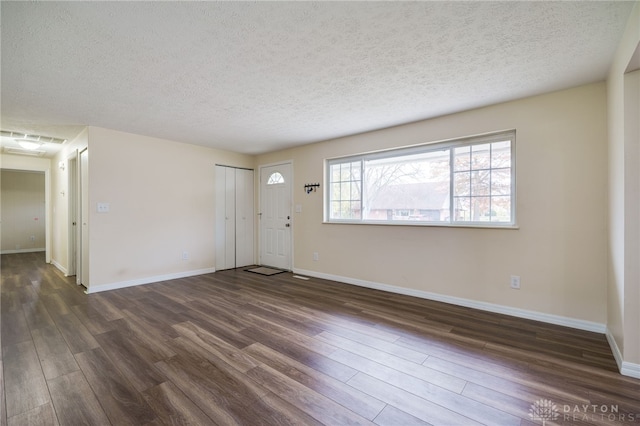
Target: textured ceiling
255	77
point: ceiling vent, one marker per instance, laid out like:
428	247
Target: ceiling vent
34	138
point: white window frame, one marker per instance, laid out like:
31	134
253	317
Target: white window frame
450	145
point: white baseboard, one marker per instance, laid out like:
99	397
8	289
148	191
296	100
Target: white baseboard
148	280
60	267
626	368
27	250
630	369
469	303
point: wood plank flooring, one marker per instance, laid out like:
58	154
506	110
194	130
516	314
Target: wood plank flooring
237	348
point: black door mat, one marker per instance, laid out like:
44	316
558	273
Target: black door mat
263	270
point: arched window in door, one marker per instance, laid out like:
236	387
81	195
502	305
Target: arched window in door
275	178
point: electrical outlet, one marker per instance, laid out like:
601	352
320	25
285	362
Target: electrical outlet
185	255
316	257
515	282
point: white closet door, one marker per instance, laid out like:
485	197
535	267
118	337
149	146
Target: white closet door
244	218
234	218
225	218
221	238
230	218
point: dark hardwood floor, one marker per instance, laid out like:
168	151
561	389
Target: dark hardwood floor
235	347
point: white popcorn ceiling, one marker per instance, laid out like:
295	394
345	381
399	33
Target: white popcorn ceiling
255	77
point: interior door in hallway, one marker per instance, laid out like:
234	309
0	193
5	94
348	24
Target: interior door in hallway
84	219
275	216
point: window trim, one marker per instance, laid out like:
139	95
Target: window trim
449	144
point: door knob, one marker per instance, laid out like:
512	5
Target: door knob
287	225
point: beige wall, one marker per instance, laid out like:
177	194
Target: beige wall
623	320
23	215
559	250
161	198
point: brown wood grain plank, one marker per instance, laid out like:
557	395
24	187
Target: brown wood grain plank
215	390
232	316
355	400
382	345
303	355
54	354
408	402
121	402
211	347
75	402
42	415
316	405
506	399
303	327
349	318
130	358
216	327
91	319
426	390
157	326
76	335
291	335
173	407
14	327
436	377
25	385
102	304
55	304
37	315
392	416
151	345
3	403
522	384
10	301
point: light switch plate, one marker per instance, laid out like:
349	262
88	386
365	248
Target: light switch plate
103	207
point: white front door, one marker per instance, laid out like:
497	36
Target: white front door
275	216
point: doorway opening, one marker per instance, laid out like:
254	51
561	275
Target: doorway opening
24	219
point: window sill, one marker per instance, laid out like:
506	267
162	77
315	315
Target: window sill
425	224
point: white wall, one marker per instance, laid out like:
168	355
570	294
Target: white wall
161	198
23	211
623	320
559	250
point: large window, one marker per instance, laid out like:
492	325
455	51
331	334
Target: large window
467	181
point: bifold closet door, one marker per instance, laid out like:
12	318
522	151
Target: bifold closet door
244	218
225	218
234	218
